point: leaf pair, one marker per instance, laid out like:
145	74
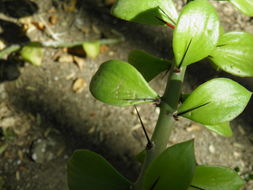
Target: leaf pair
122	84
119	83
197	27
175	168
215	103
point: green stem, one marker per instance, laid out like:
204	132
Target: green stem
9	49
165	121
79	43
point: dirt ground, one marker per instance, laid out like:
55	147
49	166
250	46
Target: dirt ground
43	119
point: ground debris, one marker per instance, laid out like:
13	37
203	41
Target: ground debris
80	62
193	127
65	58
79	85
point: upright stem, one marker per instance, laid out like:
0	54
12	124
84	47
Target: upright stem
165	121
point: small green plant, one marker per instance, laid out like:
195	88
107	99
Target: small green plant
197	35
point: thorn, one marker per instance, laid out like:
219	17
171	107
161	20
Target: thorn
197	187
155	183
221	45
191	109
187	48
167	15
149	143
168	24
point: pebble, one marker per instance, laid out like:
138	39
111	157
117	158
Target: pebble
111	53
211	149
193	127
79	85
237	154
65	59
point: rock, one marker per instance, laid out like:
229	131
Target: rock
46	149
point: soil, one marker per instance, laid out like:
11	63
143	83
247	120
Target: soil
43	119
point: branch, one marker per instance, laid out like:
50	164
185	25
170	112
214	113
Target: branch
55	44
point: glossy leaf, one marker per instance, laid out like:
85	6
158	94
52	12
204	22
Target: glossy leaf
91	49
149	66
216	178
90	171
147	12
216	101
245	6
221	129
32	53
233	53
119	83
173	169
196	33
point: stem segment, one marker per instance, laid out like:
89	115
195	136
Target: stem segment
165	121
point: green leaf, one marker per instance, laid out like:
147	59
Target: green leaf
216	101
221	129
140	157
216	178
245	6
196	33
90	171
233	53
184	97
147	12
32	53
173	169
119	83
91	49
149	66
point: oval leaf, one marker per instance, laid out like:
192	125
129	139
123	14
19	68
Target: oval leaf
221	129
91	49
216	101
173	169
147	12
245	6
196	33
216	178
233	53
149	66
90	171
32	53
119	83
